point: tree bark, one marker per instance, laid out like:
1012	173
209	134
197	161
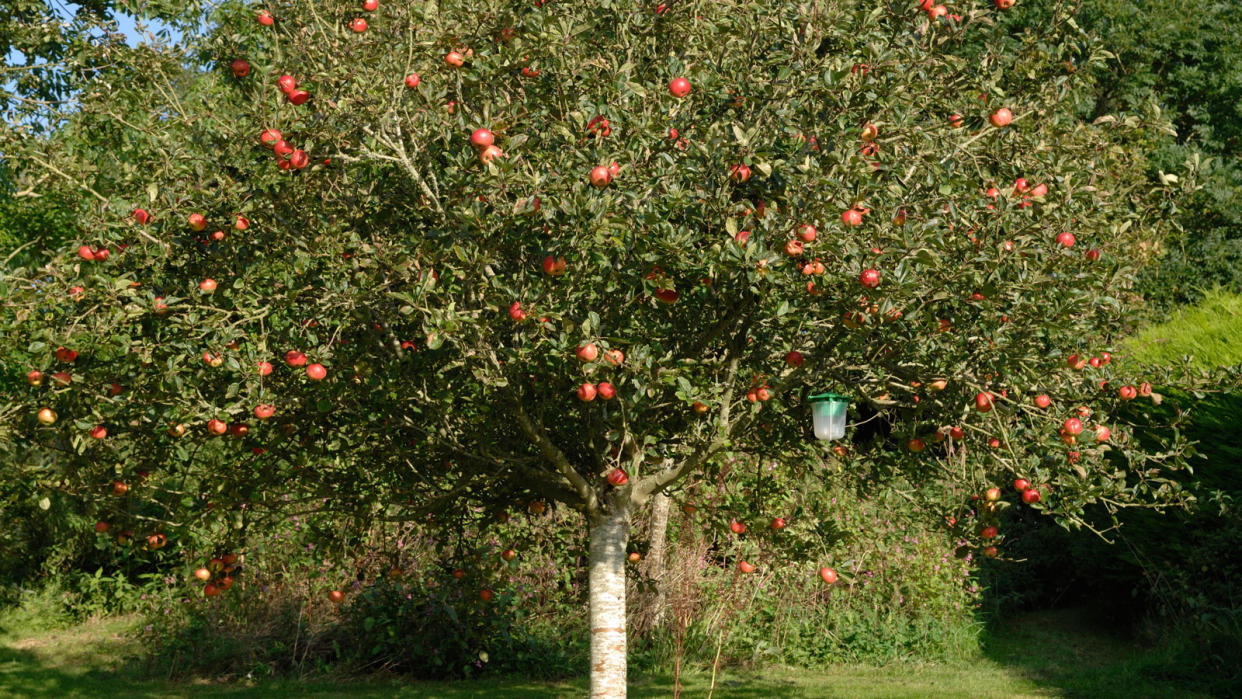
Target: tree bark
609	533
655	556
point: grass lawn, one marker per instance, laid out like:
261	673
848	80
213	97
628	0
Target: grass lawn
1210	331
1051	654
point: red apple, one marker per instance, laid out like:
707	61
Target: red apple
197	222
1004	4
586	392
617	477
852	217
482	138
1075	362
794	248
679	87
1102	434
1127	392
455	59
1066	239
264	411
916	445
412	80
217	427
587	352
869	278
957	433
553	266
508	555
102	526
600	177
370	5
240	68
737	527
745	567
266	19
265	368
983	402
828	575
46	416
777	524
316	372
606	390
988	532
807	233
486	595
614	357
66	355
207	286
793	358
295	358
299	159
739	173
1042	400
490	153
1030	496
516	312
336	596
358	24
298	97
1001	117
1092	255
35	377
1072	426
238	429
99	432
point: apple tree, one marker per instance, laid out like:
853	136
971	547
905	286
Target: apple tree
390	259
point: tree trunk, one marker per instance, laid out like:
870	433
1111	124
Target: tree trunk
655	556
609	532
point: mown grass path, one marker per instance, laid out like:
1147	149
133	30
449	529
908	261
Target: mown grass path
1053	654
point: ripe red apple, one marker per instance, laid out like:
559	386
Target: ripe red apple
1144	389
66	355
316	372
794	248
1092	255
490	153
197	222
869	278
600	177
1072	426
739	173
742	237
679	87
991	552
282	149
988	532
35	378
370	5
828	575
99	432
793	358
86	253
587	352
617	477
265	368
1075	362
412	80
737	527
240	68
586	392
667	296
516	312
264	411
807	233
1127	392
745	567
916	445
336	596
955	121
634	557
992	494
606	390
1021	485
486	595
119	488
265	18
1030	496
207	286
614	357
210	590
1004	4
295	358
298	97
455	59
1066	239
852	217
212	360
102	526
46	416
508	555
957	433
1001	118
1102	434
700	407
1042	400
553	266
299	159
217	427
778	523
482	138
983	402
358	24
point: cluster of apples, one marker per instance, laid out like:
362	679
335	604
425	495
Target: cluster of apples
777	525
217	574
587	353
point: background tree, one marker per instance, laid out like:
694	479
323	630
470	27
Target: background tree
434	286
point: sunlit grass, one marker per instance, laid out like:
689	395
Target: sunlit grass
1210	331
